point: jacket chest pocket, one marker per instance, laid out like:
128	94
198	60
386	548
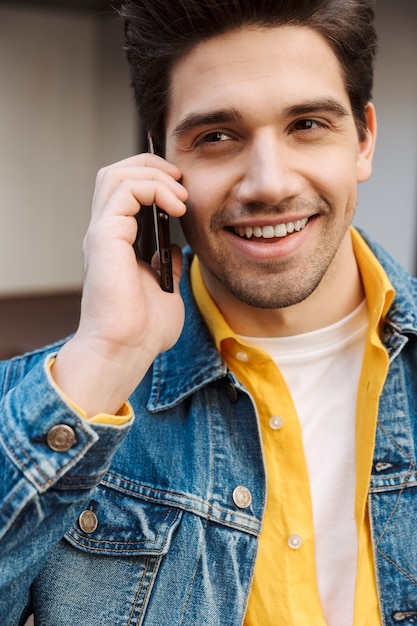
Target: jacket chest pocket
104	569
116	524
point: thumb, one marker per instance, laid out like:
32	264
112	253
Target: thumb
176	259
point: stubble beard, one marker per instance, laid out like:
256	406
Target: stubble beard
274	288
273	284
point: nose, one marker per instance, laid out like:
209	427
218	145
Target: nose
269	172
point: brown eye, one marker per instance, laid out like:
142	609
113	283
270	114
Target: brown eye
307	125
215	137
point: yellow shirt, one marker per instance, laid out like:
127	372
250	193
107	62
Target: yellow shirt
284	588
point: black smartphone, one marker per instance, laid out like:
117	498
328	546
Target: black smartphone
153	234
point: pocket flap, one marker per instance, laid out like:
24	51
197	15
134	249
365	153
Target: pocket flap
115	523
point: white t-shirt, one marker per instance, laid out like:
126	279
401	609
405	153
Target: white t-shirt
322	370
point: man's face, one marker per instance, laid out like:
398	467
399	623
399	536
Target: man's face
261	126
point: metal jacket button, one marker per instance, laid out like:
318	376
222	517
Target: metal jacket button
88	521
61	438
242	497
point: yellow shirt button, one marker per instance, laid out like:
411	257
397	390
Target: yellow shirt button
276	422
243	357
295	542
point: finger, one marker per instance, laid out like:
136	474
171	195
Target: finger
130	196
111	179
145	159
176	258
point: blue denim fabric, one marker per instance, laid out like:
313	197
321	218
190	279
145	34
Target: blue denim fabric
393	488
171	546
41	491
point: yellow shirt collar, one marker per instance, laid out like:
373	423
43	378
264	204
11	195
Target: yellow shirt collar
217	325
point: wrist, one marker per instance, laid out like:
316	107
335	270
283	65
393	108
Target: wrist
98	380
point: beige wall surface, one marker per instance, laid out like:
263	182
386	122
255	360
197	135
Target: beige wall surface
65	110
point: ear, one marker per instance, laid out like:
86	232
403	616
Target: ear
367	146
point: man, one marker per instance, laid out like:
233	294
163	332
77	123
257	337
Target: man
268	477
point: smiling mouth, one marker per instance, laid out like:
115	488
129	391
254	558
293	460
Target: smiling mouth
269	231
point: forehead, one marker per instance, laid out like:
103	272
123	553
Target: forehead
255	66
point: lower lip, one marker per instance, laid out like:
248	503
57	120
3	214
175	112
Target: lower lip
276	248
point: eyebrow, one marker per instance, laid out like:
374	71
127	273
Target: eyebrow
329	105
196	120
227	116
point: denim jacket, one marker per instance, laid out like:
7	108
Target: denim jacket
165	532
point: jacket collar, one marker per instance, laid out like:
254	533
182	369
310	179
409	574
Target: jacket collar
193	361
403	311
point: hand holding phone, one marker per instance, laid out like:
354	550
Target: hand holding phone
123	318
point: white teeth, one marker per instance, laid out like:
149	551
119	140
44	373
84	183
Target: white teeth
269	232
280	230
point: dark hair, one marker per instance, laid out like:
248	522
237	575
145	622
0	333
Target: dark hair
160	32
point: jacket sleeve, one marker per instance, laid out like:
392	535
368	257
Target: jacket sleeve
50	461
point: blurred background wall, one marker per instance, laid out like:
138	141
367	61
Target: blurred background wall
66	110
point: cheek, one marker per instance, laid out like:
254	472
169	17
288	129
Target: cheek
210	182
205	198
192	224
335	180
206	189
